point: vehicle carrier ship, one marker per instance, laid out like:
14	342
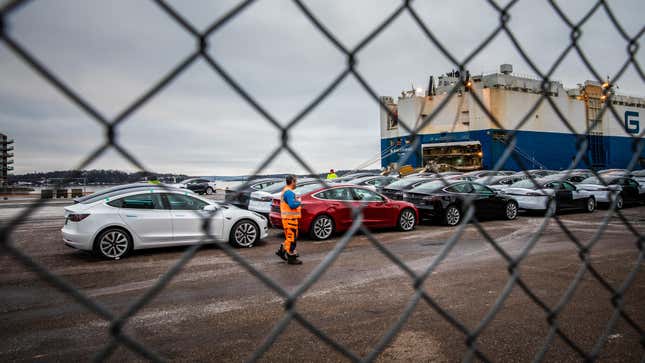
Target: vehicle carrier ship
463	137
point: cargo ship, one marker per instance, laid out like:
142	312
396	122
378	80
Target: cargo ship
462	136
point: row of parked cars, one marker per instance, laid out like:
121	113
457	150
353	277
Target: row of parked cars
113	222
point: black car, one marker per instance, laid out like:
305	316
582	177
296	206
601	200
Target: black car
240	194
396	189
197	185
448	202
499	182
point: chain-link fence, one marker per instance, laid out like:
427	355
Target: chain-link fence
551	312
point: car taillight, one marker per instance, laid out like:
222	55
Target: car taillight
77	217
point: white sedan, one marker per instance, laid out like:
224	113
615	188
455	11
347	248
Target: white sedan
550	192
113	224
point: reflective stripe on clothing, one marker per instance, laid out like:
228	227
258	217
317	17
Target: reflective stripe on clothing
286	212
290	227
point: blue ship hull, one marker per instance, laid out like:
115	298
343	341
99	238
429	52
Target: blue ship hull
535	150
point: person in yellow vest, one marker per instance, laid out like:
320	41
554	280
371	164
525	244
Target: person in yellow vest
332	175
290	213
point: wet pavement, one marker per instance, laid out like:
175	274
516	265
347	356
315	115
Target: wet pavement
215	310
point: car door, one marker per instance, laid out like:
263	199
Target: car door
145	215
630	191
486	201
563	197
376	212
187	213
578	199
339	205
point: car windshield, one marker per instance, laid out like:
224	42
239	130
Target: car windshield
526	184
429	187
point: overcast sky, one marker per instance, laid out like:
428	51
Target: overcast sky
112	51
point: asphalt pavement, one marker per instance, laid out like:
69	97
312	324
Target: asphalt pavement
215	310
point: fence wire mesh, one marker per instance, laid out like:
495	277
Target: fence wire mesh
551	312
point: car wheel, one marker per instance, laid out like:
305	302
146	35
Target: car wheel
407	220
209	191
590	205
510	212
113	243
452	216
244	234
619	201
322	227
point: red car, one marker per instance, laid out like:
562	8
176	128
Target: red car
323	210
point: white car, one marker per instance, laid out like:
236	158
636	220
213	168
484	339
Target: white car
261	199
148	216
550	192
614	187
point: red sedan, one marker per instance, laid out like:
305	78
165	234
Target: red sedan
328	210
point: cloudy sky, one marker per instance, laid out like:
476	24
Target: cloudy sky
113	51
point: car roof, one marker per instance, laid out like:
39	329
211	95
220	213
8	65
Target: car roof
126	189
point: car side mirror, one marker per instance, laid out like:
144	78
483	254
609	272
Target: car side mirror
211	208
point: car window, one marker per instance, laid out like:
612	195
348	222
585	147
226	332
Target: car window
366	195
568	186
184	202
460	188
335	194
632	183
139	201
506	181
481	189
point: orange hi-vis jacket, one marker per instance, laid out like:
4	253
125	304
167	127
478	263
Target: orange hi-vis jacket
286	212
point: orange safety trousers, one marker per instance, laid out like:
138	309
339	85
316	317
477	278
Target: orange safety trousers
290	226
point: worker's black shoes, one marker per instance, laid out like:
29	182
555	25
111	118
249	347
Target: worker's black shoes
293	260
281	253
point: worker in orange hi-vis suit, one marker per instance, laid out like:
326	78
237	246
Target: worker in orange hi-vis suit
290	213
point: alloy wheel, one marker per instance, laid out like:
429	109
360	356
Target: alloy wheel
453	216
245	234
407	220
511	210
591	205
114	244
323	227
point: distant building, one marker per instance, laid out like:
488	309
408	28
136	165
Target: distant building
464	137
6	158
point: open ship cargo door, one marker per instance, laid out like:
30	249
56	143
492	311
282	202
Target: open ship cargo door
460	155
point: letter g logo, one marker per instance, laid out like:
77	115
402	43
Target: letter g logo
632	124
